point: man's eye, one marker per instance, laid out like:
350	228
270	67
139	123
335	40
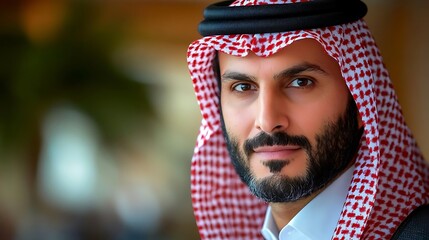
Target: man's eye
301	83
242	87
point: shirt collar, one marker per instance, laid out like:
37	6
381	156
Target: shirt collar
315	221
269	229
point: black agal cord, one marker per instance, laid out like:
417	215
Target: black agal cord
221	19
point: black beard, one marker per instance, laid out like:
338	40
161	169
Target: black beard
335	150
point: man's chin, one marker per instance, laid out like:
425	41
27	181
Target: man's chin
280	188
270	177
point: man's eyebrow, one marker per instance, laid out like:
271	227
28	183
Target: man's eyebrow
297	69
230	75
287	73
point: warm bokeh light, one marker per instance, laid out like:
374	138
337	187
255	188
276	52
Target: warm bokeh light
98	118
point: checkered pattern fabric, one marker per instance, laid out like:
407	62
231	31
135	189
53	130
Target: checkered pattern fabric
390	177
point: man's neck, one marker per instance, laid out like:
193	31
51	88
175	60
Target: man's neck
284	212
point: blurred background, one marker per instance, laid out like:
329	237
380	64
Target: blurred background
98	117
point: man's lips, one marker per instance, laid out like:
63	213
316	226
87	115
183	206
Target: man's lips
276	152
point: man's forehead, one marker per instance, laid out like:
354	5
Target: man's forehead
304	50
307	45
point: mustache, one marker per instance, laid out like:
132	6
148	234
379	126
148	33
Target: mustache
277	138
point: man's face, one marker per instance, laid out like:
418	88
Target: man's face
289	121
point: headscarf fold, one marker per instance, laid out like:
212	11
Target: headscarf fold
390	179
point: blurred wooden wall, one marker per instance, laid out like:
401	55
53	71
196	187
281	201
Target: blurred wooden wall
402	33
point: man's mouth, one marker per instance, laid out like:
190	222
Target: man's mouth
276	152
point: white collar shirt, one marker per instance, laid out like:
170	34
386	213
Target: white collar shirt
318	219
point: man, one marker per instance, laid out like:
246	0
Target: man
302	136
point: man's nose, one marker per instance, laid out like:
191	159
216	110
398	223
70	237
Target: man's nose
271	112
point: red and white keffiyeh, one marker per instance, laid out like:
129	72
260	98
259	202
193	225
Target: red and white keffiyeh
390	178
